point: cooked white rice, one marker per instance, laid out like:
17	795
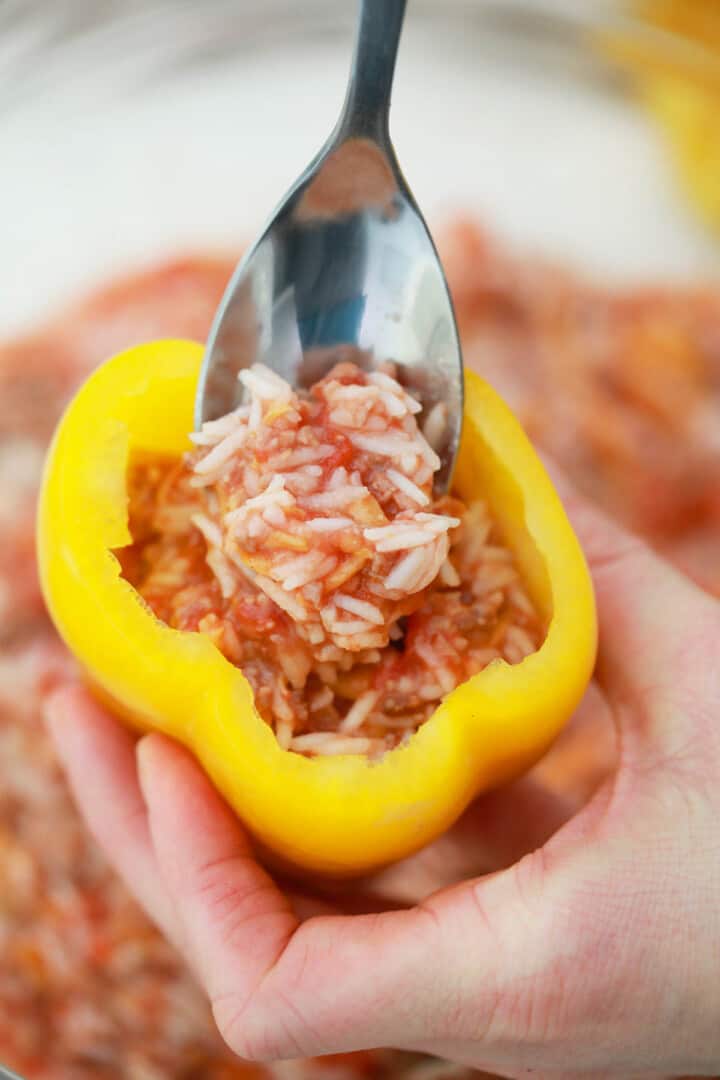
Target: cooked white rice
322	566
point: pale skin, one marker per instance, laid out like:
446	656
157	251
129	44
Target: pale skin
594	951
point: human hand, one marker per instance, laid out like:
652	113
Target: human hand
595	954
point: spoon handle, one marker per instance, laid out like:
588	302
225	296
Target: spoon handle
367	102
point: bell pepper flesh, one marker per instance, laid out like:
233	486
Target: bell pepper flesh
338	816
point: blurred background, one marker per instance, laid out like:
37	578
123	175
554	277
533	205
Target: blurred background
567	156
131	129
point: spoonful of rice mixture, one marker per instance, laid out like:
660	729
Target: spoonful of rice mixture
310	533
347	262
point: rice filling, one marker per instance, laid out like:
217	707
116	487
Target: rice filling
302	536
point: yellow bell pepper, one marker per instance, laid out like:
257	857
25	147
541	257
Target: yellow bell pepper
333	815
677	70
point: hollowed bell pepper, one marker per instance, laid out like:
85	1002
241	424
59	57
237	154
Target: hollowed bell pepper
334	815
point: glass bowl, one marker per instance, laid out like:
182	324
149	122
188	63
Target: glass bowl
132	130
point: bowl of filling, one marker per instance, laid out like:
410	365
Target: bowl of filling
145	146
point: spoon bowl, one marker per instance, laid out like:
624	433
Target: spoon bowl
346	269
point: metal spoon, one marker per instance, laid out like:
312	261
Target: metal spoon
346	269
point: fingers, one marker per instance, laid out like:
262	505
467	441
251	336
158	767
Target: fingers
98	756
235	920
280	990
501	827
461	966
584	754
659	632
333	983
496	831
277	991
